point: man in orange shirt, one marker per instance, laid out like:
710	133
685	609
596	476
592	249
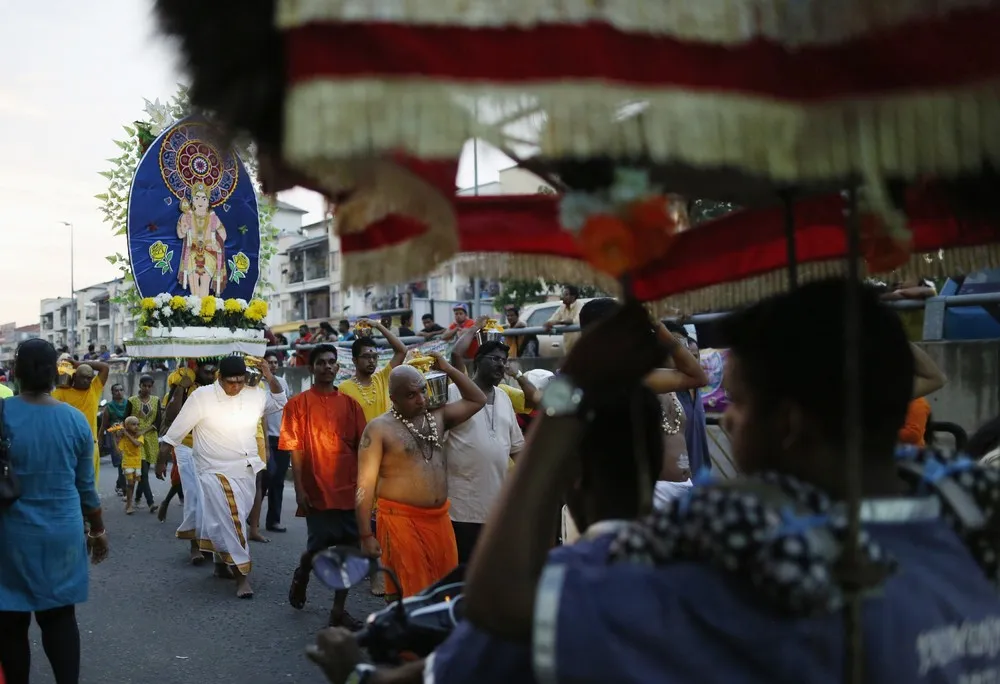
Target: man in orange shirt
322	429
915	426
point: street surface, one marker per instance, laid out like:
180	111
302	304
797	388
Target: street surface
153	618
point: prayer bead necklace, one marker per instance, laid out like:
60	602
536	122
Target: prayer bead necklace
431	438
672	427
369	392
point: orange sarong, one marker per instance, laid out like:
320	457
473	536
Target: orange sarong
418	544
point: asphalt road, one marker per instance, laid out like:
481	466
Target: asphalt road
153	618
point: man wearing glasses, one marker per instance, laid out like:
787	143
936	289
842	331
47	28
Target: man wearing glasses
223	418
477	451
370	384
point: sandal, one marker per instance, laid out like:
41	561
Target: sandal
345	620
297	592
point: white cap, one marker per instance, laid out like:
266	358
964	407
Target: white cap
539	377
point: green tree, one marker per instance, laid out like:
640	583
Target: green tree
519	292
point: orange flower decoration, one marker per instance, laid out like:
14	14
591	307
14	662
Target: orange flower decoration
653	227
882	252
608	244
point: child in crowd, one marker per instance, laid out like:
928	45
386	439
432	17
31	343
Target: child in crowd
130	446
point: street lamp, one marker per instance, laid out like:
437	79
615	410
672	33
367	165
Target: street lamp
72	289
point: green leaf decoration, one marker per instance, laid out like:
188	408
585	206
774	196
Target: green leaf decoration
108	174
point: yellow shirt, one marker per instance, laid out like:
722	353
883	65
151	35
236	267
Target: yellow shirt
374	398
131	453
189	440
261	441
86	402
516	398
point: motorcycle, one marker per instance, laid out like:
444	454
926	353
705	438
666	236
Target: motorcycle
410	627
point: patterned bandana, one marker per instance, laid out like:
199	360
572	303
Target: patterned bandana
785	536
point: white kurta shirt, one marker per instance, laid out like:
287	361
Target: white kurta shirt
272	421
225	427
477	452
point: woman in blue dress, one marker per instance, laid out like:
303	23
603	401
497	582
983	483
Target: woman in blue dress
43	546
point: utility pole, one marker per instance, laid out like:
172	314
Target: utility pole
72	290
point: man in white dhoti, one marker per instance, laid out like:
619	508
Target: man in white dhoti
223	418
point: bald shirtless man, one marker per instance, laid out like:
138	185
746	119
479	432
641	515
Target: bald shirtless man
401	458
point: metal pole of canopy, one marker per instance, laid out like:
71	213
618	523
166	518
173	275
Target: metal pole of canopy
792	253
853	396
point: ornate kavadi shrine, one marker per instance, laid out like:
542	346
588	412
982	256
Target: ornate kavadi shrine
194	244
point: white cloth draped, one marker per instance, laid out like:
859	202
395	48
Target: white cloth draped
226	503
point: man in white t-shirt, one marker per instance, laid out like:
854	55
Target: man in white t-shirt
478	450
279	460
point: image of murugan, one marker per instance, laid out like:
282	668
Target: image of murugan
203	258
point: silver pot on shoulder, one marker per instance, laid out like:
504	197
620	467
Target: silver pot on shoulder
437	389
484	336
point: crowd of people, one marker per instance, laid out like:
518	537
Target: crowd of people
618	441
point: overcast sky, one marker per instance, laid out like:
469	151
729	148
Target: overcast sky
75	73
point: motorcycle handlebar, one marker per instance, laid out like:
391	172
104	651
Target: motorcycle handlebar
362	637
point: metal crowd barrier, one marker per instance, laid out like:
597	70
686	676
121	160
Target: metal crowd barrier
934	308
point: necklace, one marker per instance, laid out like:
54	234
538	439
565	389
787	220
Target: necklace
491	402
431	438
369	392
145	405
672	427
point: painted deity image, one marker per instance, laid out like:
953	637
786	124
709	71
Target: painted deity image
203	256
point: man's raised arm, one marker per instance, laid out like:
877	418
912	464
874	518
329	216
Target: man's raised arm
472	401
398	348
688	373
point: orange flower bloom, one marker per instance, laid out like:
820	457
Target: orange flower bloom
608	245
882	252
653	226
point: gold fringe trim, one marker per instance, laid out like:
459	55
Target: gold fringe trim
788	22
726	296
940	132
378	188
534	266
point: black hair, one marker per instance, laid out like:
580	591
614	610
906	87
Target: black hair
36	365
325	326
491	346
406	318
427	317
145	378
677	329
609	469
985	439
90	347
360	345
807	368
596	310
573	290
344	321
512	307
271	355
120	386
319	350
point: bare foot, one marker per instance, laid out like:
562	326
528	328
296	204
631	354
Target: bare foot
223	571
129	509
256	536
196	556
243	589
161	514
